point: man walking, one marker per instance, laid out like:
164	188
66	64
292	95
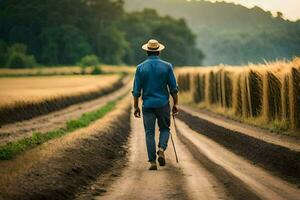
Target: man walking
155	80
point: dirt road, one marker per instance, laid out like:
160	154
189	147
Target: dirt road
206	170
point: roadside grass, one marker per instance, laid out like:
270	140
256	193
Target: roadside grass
10	150
87	118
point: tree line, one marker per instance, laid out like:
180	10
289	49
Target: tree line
232	34
63	32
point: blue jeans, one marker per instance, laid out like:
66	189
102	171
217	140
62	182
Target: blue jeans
162	115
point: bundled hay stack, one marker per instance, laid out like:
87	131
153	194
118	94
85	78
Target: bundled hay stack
218	86
255	93
210	89
270	91
246	101
285	98
180	82
237	94
197	87
226	89
294	94
203	82
184	82
271	97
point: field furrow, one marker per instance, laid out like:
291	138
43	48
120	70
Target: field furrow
61	166
281	160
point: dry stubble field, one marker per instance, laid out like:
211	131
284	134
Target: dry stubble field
37	89
25	97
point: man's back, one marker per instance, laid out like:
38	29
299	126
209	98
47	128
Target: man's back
155	78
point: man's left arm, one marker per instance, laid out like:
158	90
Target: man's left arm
173	88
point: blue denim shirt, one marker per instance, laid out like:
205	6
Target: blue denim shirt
154	79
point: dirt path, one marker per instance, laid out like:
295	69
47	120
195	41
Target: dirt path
206	170
57	119
60	167
174	181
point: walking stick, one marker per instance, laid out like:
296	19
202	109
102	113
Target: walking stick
173	140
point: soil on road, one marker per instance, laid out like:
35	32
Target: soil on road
174	181
206	170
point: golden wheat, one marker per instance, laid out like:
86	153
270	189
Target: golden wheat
269	91
37	89
24	98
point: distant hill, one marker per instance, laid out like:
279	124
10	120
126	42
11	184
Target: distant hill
229	33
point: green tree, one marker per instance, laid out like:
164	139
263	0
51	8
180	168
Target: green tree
180	41
111	45
18	60
18	47
229	33
62	32
17	57
90	61
63	45
3	52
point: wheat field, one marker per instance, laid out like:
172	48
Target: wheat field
26	97
268	94
36	89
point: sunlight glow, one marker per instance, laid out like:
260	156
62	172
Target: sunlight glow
289	8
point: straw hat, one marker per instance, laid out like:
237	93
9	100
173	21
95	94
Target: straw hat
153	45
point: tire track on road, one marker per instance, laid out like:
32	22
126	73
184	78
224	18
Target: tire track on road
137	182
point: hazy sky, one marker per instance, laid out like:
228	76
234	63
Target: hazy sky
289	8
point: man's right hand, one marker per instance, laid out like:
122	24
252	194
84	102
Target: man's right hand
137	112
174	110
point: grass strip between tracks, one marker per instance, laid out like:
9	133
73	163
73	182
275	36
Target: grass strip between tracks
12	149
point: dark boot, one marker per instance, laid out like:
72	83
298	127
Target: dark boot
161	158
153	165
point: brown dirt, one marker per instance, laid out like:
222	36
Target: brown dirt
57	169
27	111
235	188
57	119
174	181
206	170
287	141
240	178
90	164
280	160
